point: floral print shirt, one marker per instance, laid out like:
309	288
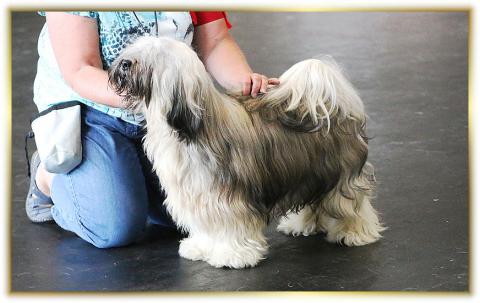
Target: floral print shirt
116	30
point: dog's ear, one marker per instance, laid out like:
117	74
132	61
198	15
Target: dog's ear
145	86
181	116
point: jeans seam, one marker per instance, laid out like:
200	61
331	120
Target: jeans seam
78	218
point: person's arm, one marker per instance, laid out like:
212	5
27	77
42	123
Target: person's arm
225	61
75	43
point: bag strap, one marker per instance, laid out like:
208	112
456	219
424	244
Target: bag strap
55	107
29	135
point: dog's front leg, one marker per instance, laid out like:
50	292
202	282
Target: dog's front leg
302	222
239	245
224	234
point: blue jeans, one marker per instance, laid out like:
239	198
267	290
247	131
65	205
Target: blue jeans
107	199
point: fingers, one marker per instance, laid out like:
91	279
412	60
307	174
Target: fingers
263	87
258	84
274	81
247	87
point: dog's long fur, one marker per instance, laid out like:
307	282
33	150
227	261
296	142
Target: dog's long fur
227	166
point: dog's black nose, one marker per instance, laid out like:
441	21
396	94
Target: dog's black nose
125	64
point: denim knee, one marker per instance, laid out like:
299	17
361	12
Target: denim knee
119	233
106	214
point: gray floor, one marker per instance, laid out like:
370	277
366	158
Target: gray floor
411	71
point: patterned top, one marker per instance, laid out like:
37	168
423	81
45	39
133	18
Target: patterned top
116	30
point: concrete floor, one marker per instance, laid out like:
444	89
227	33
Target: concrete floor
411	71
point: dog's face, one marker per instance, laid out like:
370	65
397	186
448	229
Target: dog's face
131	74
162	76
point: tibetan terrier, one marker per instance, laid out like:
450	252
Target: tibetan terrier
229	165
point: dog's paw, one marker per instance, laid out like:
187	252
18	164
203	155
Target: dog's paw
349	235
350	239
296	224
192	249
226	255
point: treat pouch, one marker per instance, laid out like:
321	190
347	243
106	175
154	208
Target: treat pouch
58	136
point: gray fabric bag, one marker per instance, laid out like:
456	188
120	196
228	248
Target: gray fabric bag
58	136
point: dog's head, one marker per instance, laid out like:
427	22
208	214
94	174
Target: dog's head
163	78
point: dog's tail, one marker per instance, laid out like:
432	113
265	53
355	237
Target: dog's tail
310	93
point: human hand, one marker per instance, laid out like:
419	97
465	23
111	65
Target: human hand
257	84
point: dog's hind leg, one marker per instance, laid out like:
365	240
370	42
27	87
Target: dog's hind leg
351	222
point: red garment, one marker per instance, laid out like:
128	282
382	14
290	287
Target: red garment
200	18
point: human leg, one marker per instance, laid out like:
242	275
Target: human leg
104	200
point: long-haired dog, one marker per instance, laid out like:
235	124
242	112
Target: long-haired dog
297	152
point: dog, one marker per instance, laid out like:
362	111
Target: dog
229	166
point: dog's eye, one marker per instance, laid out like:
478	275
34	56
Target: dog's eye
125	64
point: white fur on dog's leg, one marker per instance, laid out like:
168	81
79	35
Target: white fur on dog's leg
362	229
302	223
237	255
193	248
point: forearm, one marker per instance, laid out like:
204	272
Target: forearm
227	64
75	43
92	83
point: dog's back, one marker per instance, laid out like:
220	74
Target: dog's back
295	144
